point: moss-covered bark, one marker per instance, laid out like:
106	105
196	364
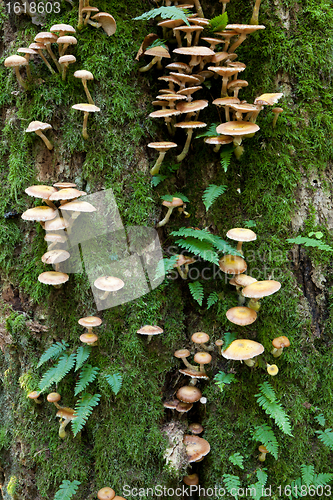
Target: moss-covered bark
282	182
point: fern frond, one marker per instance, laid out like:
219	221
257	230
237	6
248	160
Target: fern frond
47	379
156	179
232	483
210	132
196	289
225	157
265	435
211	193
87	375
200	248
64	365
83	409
320	419
228	338
268	391
158	43
221	379
237	459
259	485
165	13
273	408
218	23
67	489
212	299
82	354
165	265
52	352
308	474
115	381
326	437
322	479
310	242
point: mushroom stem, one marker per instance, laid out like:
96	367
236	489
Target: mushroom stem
198	8
87	18
262	457
84	129
202	368
53	57
239	246
166	219
255	14
191	367
182	274
44	139
277	352
250	362
19	78
156	168
62	431
46	61
237	43
186	147
80	20
64	70
90	99
94	24
150	65
105	295
29	75
50	204
254	304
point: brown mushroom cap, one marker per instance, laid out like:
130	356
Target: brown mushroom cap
158	51
191	479
241	349
182	353
194	51
150	330
272	370
33	395
184	407
232	264
188	394
241	234
176	202
241	315
279	342
56	224
54	237
78	206
203	358
226	101
67	59
55	256
244	280
106	494
40	191
235	128
41	214
164	113
26	50
64	185
191	107
171	405
67	39
46	37
88	338
200	337
196	447
189	125
263	449
189	372
219	139
90	321
109	283
107	21
196	428
62	28
36	125
53	278
162	146
53	397
14	61
65	194
261	289
83	74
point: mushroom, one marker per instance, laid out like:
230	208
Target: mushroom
224	5
232	264
258	290
192	107
203	358
62	29
64	41
15	62
189	126
191	479
53	239
238	130
108	284
65	194
183	261
54	397
88	11
65	61
226	102
65	415
201	338
240	235
47	38
39	47
105	20
34	395
219	343
263	452
53	278
89	339
196	53
150	330
85	75
86	108
41	191
55	257
276	112
166	114
226	73
158	53
40	214
89	322
241	316
255	15
176	202
183	354
106	494
218	141
196	447
279	343
28	52
162	148
188	394
78	206
243	30
37	127
243	350
272	370
189	31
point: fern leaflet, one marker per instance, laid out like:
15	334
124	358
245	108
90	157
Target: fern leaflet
265	435
225	157
66	490
221	379
204	235
228	338
48	379
211	132
259	485
202	248
52	352
87	375
115	381
212	299
165	265
165	13
267	400
158	43
196	289
326	437
83	409
308	474
211	194
237	459
64	365
309	479
232	483
218	23
310	242
82	354
320	419
268	391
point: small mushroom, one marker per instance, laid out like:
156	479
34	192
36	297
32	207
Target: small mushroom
108	284
189	126
28	52
89	322
157	53
55	257
89	339
54	397
176	202
276	112
150	330
203	358
263	452
201	338
183	354
65	415
65	61
279	343
272	369
34	396
64	42
219	343
53	278
255	15
105	20
37	127
258	290
106	494
162	147
191	479
15	62
85	75
86	108
47	38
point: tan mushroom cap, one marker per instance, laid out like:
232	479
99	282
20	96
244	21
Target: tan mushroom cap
190	125
190	107
107	21
185	78
87	108
261	289
65	194
36	125
88	338
182	353
189	372
272	370
244	108
232	264
282	341
241	234
196	447
67	39
46	37
244	280
33	395
83	74
158	51
189	90
219	139
55	256
53	278
200	337
164	113
242	349
14	61
90	9
237	84
194	51
67	59
66	413
219	56
162	146
56	224
191	479
64	185
78	206
171	405
90	321
188	394
40	191
232	282
170	23
37	46
263	449
26	50
179	66
62	28
55	238
223	70
235	128
182	260
184	407
201	21
268	99
150	330
53	397
176	202
203	358
196	428
41	214
241	316
219	342
245	28
171	97
226	101
106	494
109	283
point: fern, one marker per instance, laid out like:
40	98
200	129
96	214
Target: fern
196	289
165	265
52	352
48	379
265	435
115	381
259	485
57	373
249	223
237	459
267	400
87	375
211	132
309	479
228	338
326	437
82	354
310	242
165	13
320	419
221	379
232	483
156	179
66	490
158	43
200	248
169	197
83	409
212	299
225	157
211	194
218	23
